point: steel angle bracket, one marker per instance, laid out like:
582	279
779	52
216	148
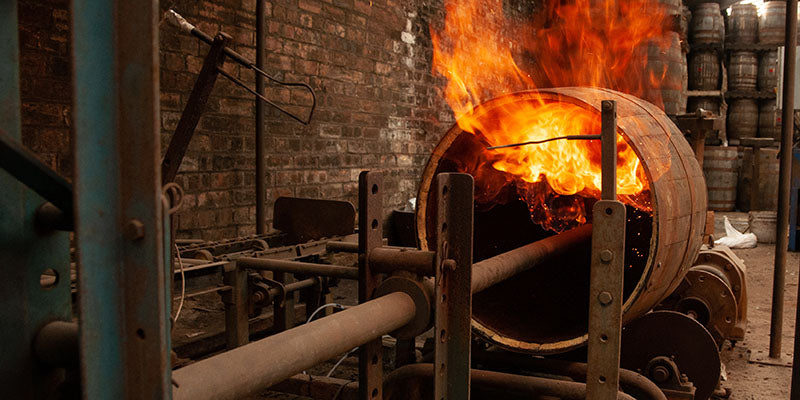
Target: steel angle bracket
607	262
453	299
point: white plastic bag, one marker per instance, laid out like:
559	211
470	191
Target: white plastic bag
735	239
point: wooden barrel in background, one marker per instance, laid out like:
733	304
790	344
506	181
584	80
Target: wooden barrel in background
707	25
742	120
772	24
768	71
671	63
743	70
769	120
742	24
704	70
721	169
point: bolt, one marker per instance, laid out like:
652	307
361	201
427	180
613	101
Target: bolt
606	105
660	374
605	298
134	230
606	256
449	265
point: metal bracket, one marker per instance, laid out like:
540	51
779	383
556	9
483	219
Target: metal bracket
370	212
607	263
453	286
195	107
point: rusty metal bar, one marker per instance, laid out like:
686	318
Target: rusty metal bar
370	215
496	383
784	181
235	300
194	109
607	261
388	259
453	300
259	365
298	267
345	247
261	165
494	270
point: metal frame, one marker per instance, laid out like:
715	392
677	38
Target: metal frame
124	332
607	263
453	297
25	252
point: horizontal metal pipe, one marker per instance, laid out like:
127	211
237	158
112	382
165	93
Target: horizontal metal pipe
389	259
344	247
259	365
56	344
494	270
508	384
630	382
292	287
298	267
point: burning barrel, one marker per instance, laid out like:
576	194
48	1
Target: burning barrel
543	308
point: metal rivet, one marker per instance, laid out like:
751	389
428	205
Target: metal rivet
605	298
606	256
134	230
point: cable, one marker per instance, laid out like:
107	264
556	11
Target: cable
324	306
328	375
183	286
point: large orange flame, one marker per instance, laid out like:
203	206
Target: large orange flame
567	43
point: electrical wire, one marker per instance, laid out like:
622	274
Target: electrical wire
183	286
324	306
328	375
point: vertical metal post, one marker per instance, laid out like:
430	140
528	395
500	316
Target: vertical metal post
27	301
261	167
124	329
608	251
784	181
370	212
453	299
236	326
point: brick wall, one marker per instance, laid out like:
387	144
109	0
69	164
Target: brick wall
45	81
379	108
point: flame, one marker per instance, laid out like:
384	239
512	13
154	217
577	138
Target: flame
567	43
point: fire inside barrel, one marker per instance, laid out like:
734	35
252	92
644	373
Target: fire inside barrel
528	193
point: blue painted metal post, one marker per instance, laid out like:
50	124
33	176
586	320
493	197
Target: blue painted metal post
25	304
119	215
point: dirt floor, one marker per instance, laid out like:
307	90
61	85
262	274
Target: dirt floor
748	380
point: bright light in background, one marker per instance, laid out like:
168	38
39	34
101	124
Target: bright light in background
759	4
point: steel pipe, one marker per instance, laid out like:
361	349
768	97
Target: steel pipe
298	267
389	259
344	247
261	163
494	270
259	365
630	382
507	384
784	182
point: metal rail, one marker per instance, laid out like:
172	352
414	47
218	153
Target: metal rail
261	364
299	267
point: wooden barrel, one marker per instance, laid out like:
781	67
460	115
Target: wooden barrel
768	71
742	24
706	103
721	169
544	309
743	71
769	120
772	24
742	120
767	179
671	64
707	25
704	70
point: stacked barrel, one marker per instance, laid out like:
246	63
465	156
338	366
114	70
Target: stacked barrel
669	63
706	78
